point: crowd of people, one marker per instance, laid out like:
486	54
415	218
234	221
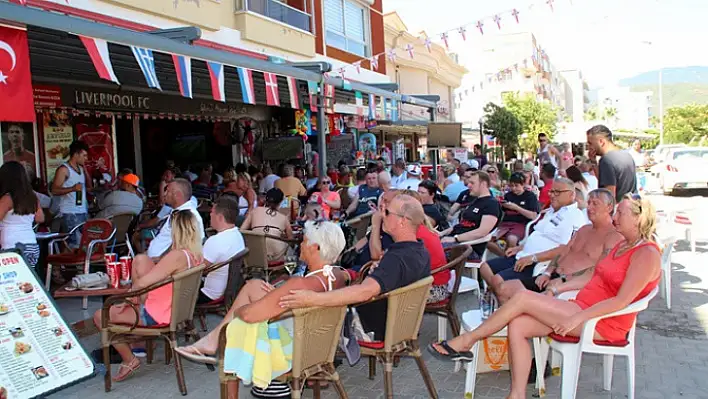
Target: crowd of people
593	228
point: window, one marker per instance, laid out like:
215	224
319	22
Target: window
345	25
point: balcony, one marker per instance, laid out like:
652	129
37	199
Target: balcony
279	11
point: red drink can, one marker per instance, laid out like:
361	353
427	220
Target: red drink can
113	270
126	267
110	258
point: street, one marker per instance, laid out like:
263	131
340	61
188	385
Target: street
671	355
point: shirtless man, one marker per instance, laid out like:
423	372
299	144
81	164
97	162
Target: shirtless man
590	244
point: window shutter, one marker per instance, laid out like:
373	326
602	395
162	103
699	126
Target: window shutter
354	15
334	12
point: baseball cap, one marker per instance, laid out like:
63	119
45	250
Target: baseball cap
414	169
131	179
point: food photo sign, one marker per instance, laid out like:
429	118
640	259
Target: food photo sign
39	353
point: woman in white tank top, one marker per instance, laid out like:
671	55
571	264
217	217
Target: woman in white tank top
19	209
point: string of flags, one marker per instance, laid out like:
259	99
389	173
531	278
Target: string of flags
499	20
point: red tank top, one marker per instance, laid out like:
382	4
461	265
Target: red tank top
609	275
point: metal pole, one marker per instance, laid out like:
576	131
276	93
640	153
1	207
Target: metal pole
661	106
435	151
321	138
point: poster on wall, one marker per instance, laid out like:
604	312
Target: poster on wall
18	145
461	154
39	353
100	154
58	135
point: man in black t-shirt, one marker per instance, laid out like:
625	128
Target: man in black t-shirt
463	199
404	263
617	172
520	207
481	216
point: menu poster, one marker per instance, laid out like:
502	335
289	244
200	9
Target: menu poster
58	135
39	353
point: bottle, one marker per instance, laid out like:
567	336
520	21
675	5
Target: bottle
79	197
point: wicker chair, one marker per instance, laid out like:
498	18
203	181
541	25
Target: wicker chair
445	309
257	258
234	283
316	335
405	314
185	289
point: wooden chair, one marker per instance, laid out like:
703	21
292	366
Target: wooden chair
234	283
257	258
405	314
445	309
315	337
185	290
122	222
95	233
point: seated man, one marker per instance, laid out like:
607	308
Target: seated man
588	246
221	247
178	194
480	217
124	200
405	262
556	228
520	207
366	196
463	198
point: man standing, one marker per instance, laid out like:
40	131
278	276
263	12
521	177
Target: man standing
547	153
414	178
616	167
636	152
405	262
556	228
123	200
367	195
479	156
398	172
70	185
221	247
177	196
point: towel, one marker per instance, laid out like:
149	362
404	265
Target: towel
259	352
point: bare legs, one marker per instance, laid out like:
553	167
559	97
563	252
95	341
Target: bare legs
251	292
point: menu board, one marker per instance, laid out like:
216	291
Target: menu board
38	351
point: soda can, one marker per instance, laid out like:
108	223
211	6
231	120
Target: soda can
126	267
113	271
110	258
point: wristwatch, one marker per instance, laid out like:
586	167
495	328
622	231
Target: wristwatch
547	273
457	240
563	278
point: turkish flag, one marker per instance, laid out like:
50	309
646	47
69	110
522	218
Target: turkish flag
16	101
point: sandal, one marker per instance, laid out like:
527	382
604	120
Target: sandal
197	357
451	355
131	370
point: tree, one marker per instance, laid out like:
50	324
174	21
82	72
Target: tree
610	115
591	114
503	125
687	124
535	117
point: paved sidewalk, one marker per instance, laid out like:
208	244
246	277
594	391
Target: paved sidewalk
672	357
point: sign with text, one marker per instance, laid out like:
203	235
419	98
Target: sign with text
47	96
39	353
58	135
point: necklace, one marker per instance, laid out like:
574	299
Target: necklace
627	248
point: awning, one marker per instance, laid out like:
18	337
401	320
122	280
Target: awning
49	22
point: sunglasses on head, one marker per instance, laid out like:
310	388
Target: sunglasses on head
638	198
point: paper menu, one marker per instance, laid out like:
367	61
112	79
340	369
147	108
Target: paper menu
38	351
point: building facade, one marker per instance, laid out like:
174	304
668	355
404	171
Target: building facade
576	94
621	108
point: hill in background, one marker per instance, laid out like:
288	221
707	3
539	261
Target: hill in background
686	85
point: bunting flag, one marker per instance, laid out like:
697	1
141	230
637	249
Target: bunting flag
147	64
294	92
357	65
428	44
550	4
98	51
375	62
409	49
480	26
329	94
463	33
312	89
445	39
216	73
359	103
183	68
497	19
271	87
245	76
372	106
392	55
515	13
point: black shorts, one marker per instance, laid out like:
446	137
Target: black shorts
202	298
530	283
504	267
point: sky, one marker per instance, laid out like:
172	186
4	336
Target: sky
605	39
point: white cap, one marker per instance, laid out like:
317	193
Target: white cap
414	169
473	163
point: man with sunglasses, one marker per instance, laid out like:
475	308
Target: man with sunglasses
547	153
556	228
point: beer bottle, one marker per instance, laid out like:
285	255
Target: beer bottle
79	197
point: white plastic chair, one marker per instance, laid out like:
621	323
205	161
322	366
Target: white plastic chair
667	247
572	352
684	220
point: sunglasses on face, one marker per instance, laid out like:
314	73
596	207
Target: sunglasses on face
326	182
388	212
491	171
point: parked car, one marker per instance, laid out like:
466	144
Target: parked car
685	169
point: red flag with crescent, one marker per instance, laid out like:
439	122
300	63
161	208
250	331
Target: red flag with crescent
16	101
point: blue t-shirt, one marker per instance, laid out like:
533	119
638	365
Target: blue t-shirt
454	190
367	195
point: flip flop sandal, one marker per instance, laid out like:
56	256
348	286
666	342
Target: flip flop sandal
451	355
131	371
196	357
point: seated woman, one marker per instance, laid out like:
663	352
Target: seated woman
324	196
630	272
239	185
258	301
267	219
156	306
